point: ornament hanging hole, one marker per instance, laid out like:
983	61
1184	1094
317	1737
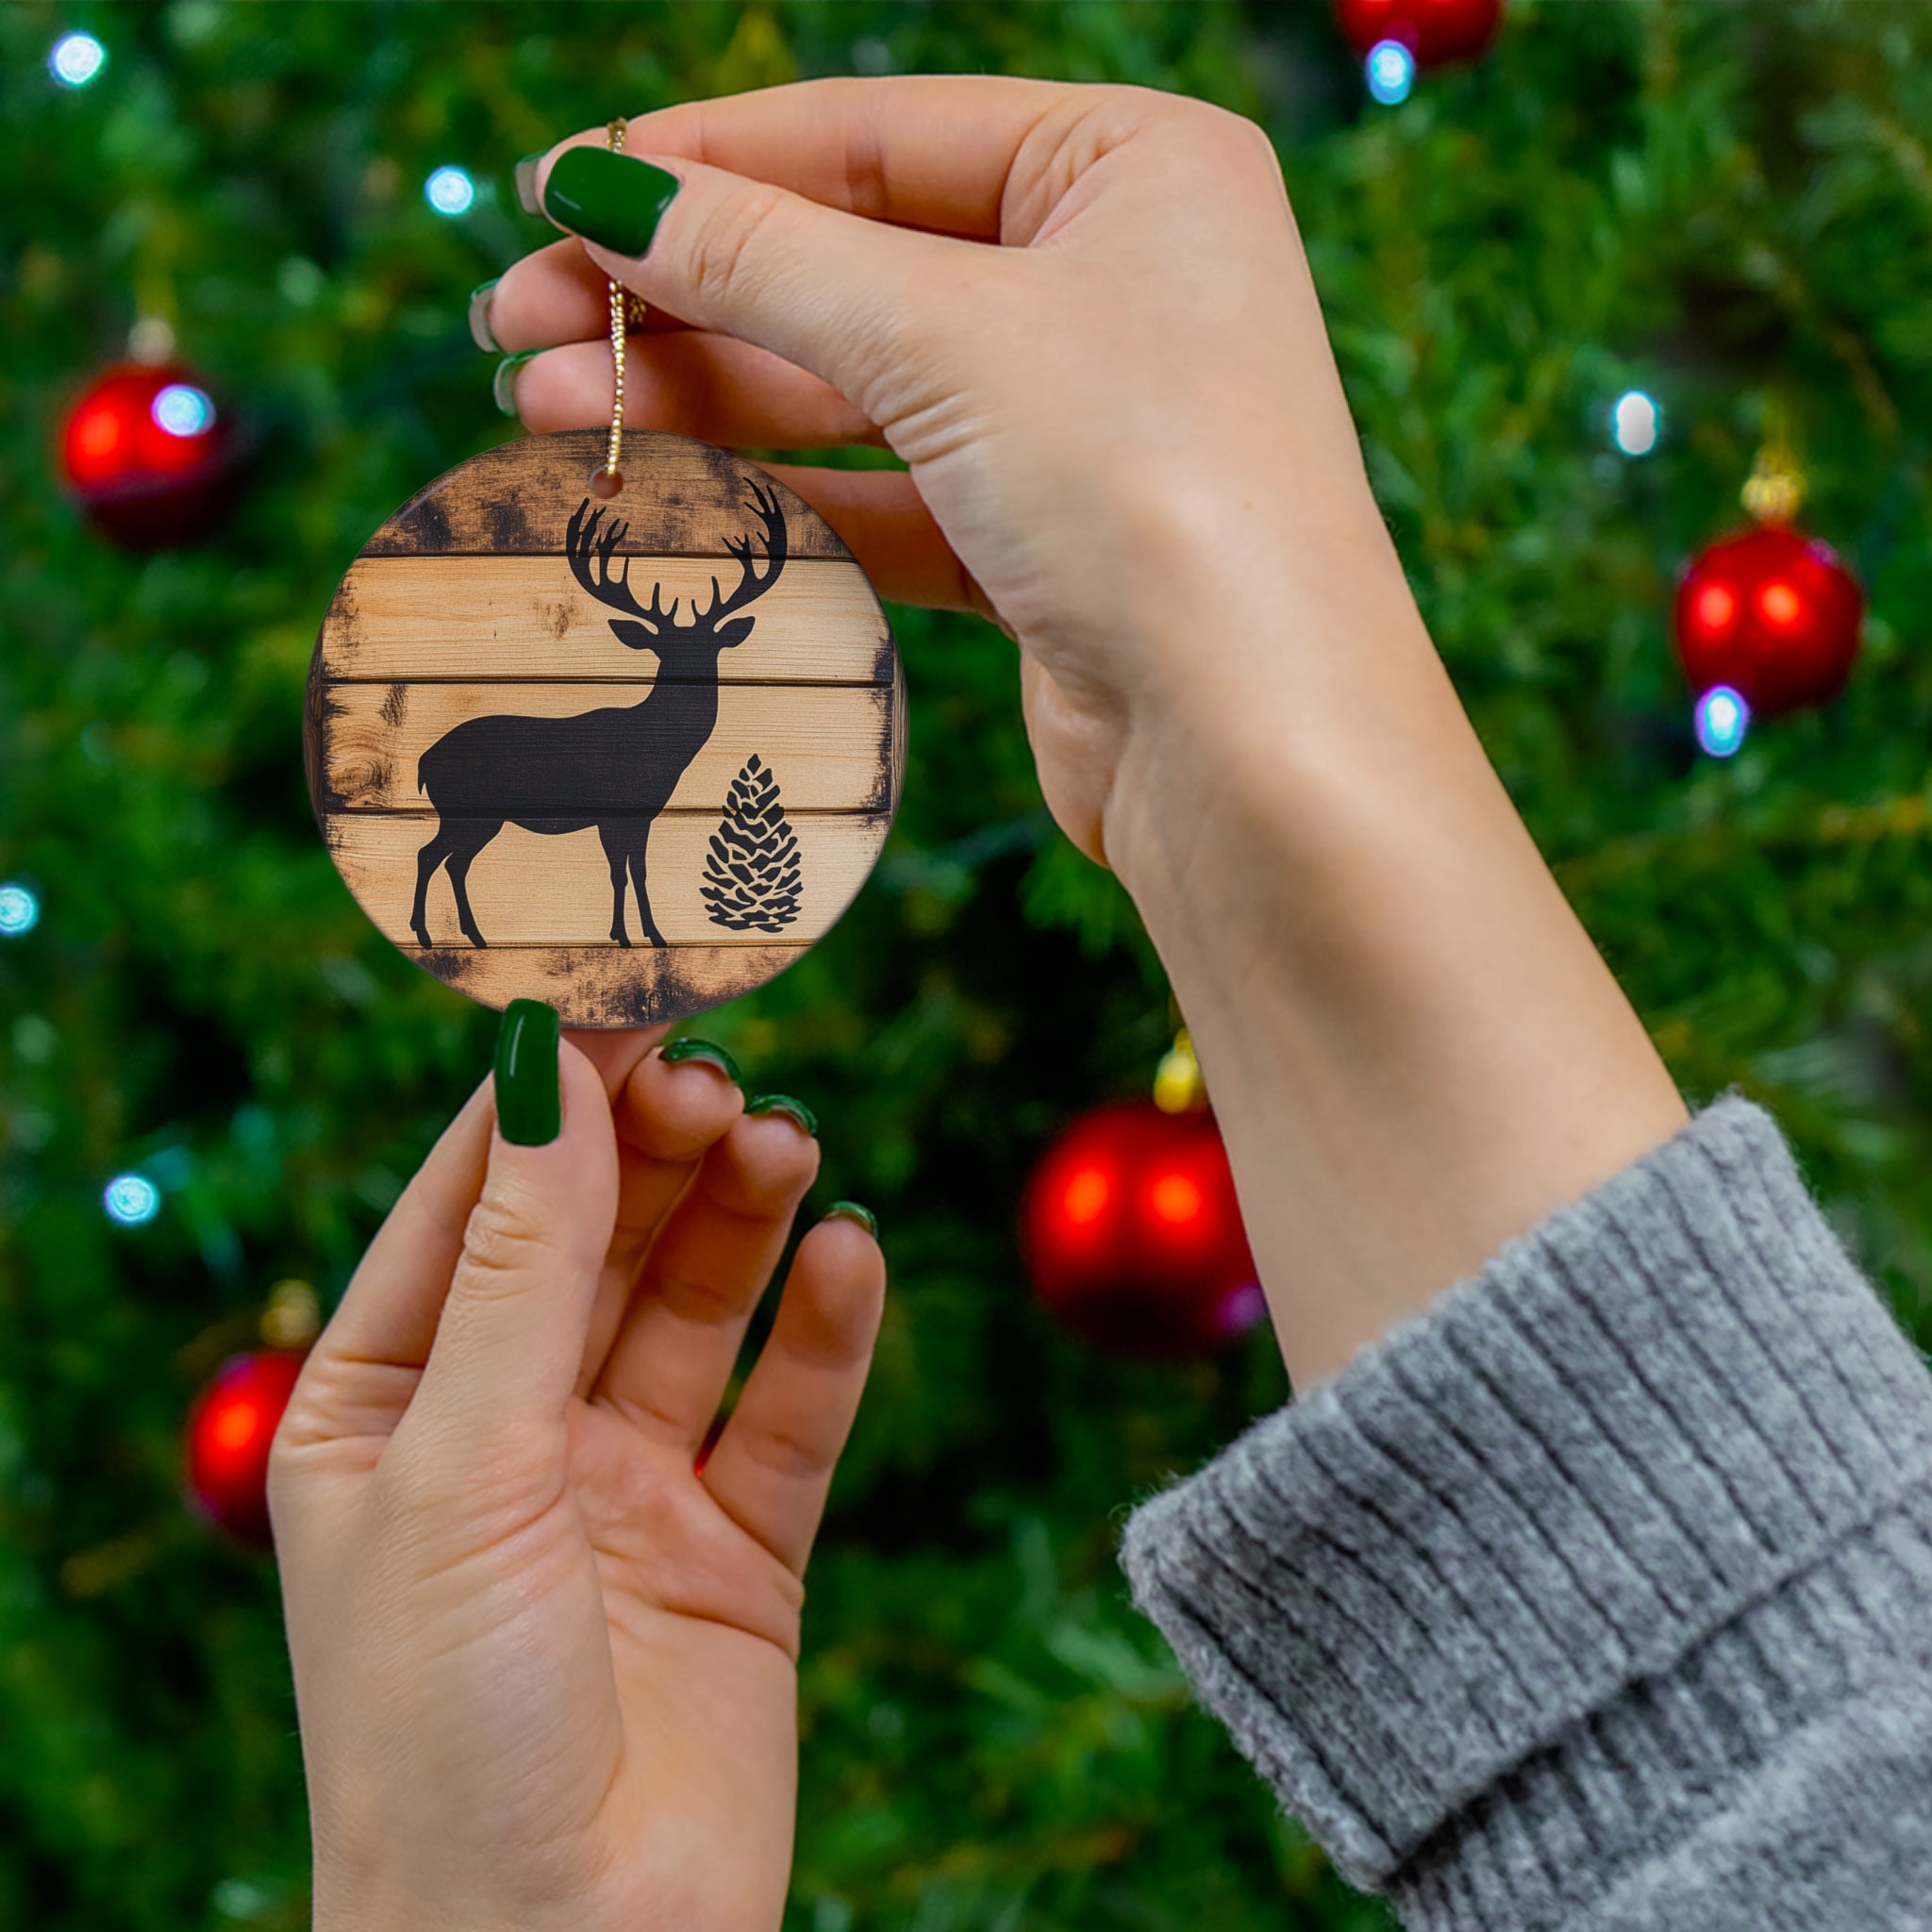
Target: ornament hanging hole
605	483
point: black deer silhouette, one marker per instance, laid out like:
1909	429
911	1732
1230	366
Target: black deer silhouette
614	769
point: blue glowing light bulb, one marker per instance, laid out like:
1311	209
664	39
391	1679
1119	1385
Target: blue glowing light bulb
131	1199
1391	71
75	60
1636	423
1722	719
20	911
450	191
182	409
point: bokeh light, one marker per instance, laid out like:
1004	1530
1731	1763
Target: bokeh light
1391	71
1243	1309
77	60
1722	719
233	1428
1636	423
1716	606
1175	1199
20	911
131	1199
450	191
182	409
1088	1193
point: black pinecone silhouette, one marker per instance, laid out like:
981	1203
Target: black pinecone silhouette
751	877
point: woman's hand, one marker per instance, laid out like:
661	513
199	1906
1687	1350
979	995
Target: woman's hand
545	1664
1083	317
1126	400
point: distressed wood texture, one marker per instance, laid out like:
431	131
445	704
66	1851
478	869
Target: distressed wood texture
832	744
599	986
680	499
521	617
632	758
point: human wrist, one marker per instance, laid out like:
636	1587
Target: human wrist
1269	685
391	1909
1414	1050
361	1884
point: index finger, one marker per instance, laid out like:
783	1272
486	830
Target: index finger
917	150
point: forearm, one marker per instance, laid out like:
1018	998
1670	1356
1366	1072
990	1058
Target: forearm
1413	1048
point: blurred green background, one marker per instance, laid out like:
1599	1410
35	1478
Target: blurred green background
1722	205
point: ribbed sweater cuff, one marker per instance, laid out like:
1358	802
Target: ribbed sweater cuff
1516	1544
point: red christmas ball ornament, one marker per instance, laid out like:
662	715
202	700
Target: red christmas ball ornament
1133	1236
1772	614
229	1431
149	457
1434	31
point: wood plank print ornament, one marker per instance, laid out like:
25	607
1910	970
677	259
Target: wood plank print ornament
630	758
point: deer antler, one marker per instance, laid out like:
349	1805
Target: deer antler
581	541
752	582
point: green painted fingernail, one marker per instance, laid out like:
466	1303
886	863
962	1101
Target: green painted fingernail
480	332
608	198
706	1051
529	1100
503	385
526	183
795	1111
851	1211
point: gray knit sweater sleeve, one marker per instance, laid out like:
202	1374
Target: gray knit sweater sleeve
1600	1596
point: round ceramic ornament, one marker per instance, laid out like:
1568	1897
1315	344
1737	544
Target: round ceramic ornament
628	753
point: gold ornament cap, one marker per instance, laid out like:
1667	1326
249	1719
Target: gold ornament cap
293	1317
1178	1083
1774	492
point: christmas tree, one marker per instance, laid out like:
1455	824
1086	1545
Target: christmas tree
1711	209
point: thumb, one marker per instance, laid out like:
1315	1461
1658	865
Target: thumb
510	1339
842	297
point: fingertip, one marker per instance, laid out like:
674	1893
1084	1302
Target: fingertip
774	1145
675	1110
843	1269
841	1241
528	1086
839	1282
614	1052
524	175
549	1095
533	171
761	1167
855	1211
557	388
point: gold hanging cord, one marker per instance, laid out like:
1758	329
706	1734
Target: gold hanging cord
626	313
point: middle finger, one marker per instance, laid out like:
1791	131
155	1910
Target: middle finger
668	1115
